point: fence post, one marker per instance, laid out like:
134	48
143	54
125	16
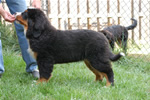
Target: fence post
88	18
48	7
118	11
59	19
69	19
98	18
140	18
78	19
132	16
108	11
98	23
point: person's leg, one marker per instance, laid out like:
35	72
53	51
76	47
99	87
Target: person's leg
20	6
1	61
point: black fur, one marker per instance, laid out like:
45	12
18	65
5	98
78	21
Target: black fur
119	34
57	46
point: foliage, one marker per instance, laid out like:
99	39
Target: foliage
8	37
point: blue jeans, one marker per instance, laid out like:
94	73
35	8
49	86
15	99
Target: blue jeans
1	59
19	6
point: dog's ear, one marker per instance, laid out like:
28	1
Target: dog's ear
36	33
32	31
39	25
34	23
34	28
104	32
108	34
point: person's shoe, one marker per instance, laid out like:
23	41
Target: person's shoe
36	74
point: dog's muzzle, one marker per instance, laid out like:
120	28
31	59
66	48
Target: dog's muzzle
16	14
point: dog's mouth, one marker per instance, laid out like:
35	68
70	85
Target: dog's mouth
19	19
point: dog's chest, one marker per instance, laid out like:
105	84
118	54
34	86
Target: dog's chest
30	51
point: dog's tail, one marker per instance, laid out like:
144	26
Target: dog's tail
116	57
133	25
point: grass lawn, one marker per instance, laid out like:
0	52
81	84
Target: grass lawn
74	81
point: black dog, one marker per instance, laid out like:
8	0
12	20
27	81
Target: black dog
119	34
51	46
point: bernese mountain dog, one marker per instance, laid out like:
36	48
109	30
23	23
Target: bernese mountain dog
118	34
50	46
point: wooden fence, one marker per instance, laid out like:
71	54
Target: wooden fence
97	14
135	9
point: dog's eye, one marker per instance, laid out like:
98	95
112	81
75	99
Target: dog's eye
24	15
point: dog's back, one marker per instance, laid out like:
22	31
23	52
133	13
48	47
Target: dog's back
117	30
76	45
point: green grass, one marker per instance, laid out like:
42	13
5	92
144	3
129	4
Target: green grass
74	81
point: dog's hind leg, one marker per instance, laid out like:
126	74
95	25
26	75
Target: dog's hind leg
99	75
109	79
105	69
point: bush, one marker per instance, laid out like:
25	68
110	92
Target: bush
9	37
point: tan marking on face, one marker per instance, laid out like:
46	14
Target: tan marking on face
26	11
35	55
22	21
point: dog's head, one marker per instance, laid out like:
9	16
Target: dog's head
34	21
108	35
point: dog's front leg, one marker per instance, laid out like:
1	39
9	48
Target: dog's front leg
45	68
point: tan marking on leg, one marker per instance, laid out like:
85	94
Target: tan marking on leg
41	80
108	83
98	74
101	76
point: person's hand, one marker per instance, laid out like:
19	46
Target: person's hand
36	4
8	17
